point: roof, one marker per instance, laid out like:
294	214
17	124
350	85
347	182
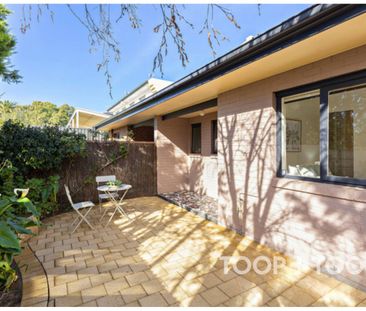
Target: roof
305	24
149	81
102	114
86	111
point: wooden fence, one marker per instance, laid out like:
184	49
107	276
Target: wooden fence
137	168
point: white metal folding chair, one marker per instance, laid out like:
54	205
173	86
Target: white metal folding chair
77	207
103	196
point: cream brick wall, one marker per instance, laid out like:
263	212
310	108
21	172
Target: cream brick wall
203	167
172	154
308	220
177	168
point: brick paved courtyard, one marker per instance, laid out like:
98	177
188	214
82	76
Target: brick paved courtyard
165	256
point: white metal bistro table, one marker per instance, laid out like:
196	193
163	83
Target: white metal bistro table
117	202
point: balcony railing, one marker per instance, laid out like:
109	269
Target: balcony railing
90	134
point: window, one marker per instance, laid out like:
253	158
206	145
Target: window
347	132
300	134
196	138
322	131
214	136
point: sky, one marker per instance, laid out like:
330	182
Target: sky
56	63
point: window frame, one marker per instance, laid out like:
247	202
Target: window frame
324	86
193	125
213	147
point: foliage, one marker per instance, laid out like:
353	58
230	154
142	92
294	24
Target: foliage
37	114
114	183
43	193
8	178
123	150
41	149
11	225
7	45
8	275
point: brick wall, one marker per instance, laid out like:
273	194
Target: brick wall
307	220
172	154
203	167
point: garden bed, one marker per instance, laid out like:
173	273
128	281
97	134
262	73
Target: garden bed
204	206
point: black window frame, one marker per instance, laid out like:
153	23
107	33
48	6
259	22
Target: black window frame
213	137
196	125
324	86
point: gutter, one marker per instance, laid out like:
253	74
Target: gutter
307	23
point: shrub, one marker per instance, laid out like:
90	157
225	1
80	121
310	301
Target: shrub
11	225
41	149
43	193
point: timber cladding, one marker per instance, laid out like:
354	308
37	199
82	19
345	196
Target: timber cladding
137	168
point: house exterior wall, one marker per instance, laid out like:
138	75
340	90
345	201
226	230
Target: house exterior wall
306	219
172	154
179	169
119	133
203	167
143	133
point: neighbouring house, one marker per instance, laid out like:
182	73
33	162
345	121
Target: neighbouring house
275	130
145	130
86	119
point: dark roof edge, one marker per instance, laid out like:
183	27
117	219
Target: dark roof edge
308	22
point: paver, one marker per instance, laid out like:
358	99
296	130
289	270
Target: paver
167	257
132	293
136	278
280	301
65	278
79	285
152	286
298	296
110	301
114	286
155	300
214	296
93	293
236	286
254	297
196	301
69	300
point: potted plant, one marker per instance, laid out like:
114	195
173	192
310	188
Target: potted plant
114	184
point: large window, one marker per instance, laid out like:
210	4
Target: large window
214	136
322	131
196	138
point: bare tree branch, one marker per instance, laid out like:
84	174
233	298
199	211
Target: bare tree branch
170	28
212	32
99	22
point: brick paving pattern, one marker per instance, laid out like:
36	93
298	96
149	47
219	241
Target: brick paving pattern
166	256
